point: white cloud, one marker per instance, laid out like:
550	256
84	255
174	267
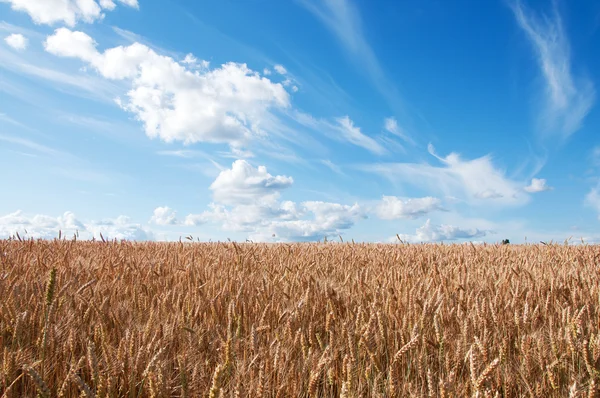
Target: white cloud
281	221
266	72
392	207
196	219
184	153
328	220
191	61
476	181
390	125
246	199
344	20
334	167
222	105
68	43
32	145
17	41
69	12
107	4
246	217
340	129
120	228
243	184
569	98
436	233
280	69
47	227
537	185
352	134
70	82
164	216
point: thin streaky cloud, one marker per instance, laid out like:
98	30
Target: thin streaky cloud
7	119
344	20
31	145
79	84
332	166
183	153
569	97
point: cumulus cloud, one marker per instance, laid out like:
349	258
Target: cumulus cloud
244	183
477	181
121	228
392	207
436	233
280	69
537	185
246	199
17	41
281	221
164	216
568	98
175	103
47	227
69	12
326	220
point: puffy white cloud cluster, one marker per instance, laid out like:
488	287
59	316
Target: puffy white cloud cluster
246	199
392	207
47	227
537	185
434	233
164	216
476	181
176	101
17	41
69	12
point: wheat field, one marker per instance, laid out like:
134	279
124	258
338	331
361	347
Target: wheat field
117	319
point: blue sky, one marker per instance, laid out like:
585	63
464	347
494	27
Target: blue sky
295	120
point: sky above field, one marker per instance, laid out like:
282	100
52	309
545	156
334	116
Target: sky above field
295	120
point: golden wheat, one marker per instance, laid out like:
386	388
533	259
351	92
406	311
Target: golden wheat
118	319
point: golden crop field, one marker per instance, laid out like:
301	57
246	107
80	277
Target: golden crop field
109	319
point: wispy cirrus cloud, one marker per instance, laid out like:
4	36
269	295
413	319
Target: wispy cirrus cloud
477	181
569	97
345	130
32	145
354	135
334	167
390	125
344	20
